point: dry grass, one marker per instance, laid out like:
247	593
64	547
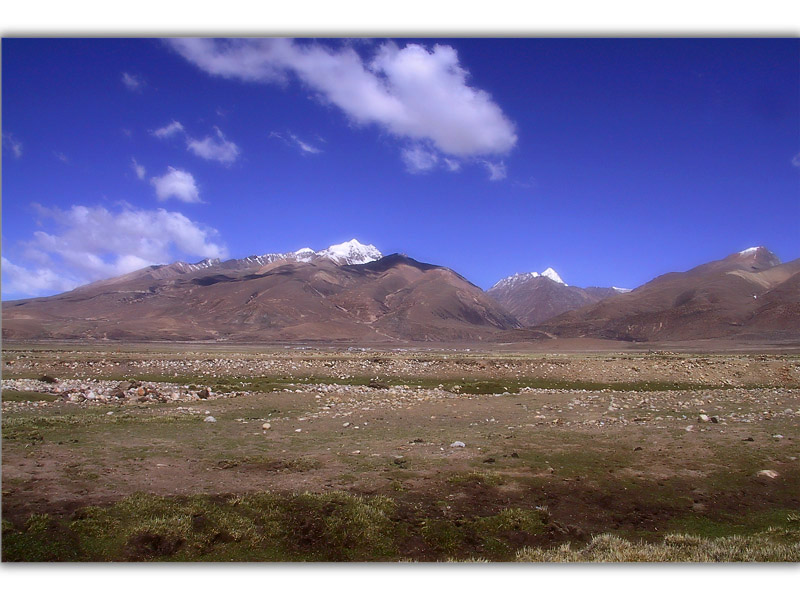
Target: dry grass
773	545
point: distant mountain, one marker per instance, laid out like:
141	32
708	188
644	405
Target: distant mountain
748	294
347	292
534	298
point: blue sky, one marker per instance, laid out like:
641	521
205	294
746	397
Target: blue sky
610	160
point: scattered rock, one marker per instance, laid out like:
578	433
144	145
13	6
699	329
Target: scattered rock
489	460
345	424
638	448
458	445
690	428
265	426
748	439
204	393
768	473
703	419
514	455
210	420
298	430
777	436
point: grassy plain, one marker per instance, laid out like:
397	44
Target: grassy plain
349	454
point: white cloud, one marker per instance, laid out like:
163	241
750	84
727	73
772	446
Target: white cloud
169	130
411	92
452	165
93	243
62	157
132	82
497	171
214	148
292	140
138	169
178	184
12	144
796	160
305	147
20	281
418	160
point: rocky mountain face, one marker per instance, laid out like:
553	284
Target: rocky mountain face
533	298
749	294
339	294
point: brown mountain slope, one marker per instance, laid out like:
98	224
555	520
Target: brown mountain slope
747	294
392	298
535	300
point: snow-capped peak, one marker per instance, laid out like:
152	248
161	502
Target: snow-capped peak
621	290
551	274
752	250
351	253
517	278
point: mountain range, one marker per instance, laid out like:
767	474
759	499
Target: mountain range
350	292
748	294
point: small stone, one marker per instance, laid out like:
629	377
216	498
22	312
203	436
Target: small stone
514	455
638	449
777	436
208	412
458	445
356	452
768	473
703	419
210	420
140	392
690	428
345	424
109	413
489	460
748	439
715	419
298	430
266	426
204	393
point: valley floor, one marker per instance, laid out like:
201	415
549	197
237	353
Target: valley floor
197	452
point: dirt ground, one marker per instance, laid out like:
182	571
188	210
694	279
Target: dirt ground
638	443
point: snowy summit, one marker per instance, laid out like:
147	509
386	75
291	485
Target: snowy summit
346	253
351	253
518	278
752	250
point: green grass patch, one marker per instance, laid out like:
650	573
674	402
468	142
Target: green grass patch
339	526
484	478
23	396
